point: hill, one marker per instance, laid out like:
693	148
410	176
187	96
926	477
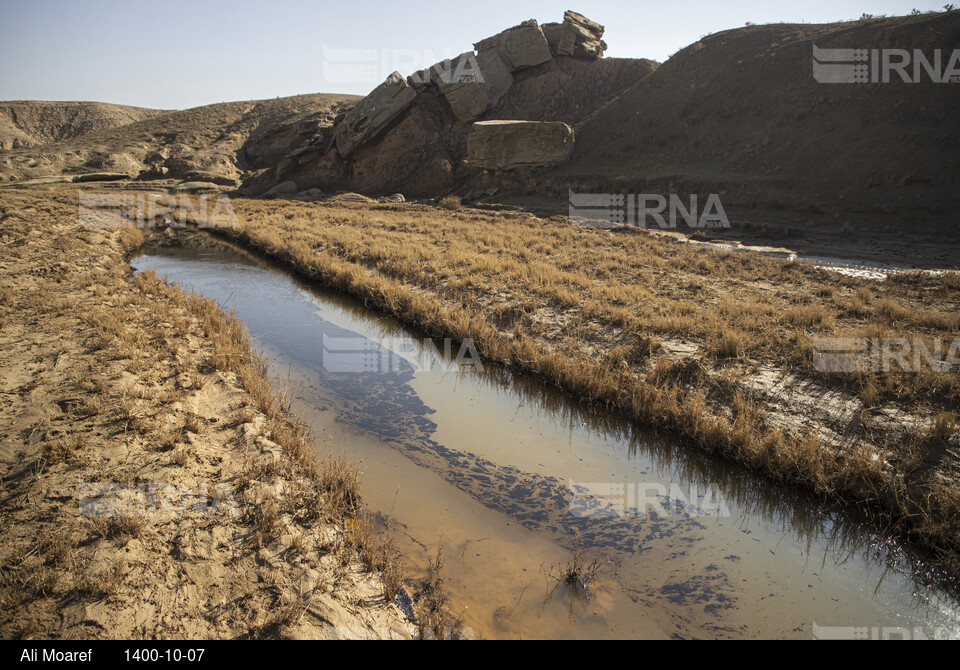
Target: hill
27	123
210	143
740	113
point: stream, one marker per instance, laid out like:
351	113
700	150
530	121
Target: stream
515	480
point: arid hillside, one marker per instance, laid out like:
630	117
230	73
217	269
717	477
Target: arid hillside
740	113
28	123
212	143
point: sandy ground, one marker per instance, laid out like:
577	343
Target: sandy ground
140	495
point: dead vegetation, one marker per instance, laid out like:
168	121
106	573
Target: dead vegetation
577	576
157	397
664	332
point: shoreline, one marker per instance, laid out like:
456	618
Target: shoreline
867	478
154	484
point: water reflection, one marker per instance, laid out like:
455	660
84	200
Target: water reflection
296	321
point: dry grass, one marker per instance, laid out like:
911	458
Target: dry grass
121	527
432	604
63	450
569	305
101	583
579	574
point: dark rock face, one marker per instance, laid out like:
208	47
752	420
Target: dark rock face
504	145
411	135
373	113
580	37
519	47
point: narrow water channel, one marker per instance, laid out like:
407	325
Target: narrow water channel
512	478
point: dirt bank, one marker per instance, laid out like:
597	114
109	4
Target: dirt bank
153	483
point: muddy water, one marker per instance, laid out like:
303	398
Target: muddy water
513	479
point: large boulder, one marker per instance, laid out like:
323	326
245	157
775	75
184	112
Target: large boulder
195	187
283	188
554	33
581	37
476	88
519	47
502	145
372	114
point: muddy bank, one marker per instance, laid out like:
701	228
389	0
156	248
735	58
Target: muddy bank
153	485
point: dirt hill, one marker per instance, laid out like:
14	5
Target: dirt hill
740	113
210	143
29	123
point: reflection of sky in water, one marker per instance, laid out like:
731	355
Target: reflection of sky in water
360	355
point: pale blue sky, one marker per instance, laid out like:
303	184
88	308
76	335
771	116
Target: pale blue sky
178	54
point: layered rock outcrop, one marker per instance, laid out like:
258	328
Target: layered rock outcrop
373	113
504	145
519	47
412	134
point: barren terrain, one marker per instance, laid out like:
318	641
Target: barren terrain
153	483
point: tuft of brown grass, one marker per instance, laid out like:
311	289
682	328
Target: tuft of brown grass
63	450
339	482
452	203
121	527
943	426
101	583
432	604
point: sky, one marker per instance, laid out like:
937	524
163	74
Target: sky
178	54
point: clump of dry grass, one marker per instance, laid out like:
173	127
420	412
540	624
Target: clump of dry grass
192	424
101	583
55	547
578	574
432	604
339	482
121	527
943	426
807	316
268	522
62	450
452	203
180	456
727	344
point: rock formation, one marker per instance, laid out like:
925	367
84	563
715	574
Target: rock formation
503	145
373	113
413	133
580	37
471	84
519	47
